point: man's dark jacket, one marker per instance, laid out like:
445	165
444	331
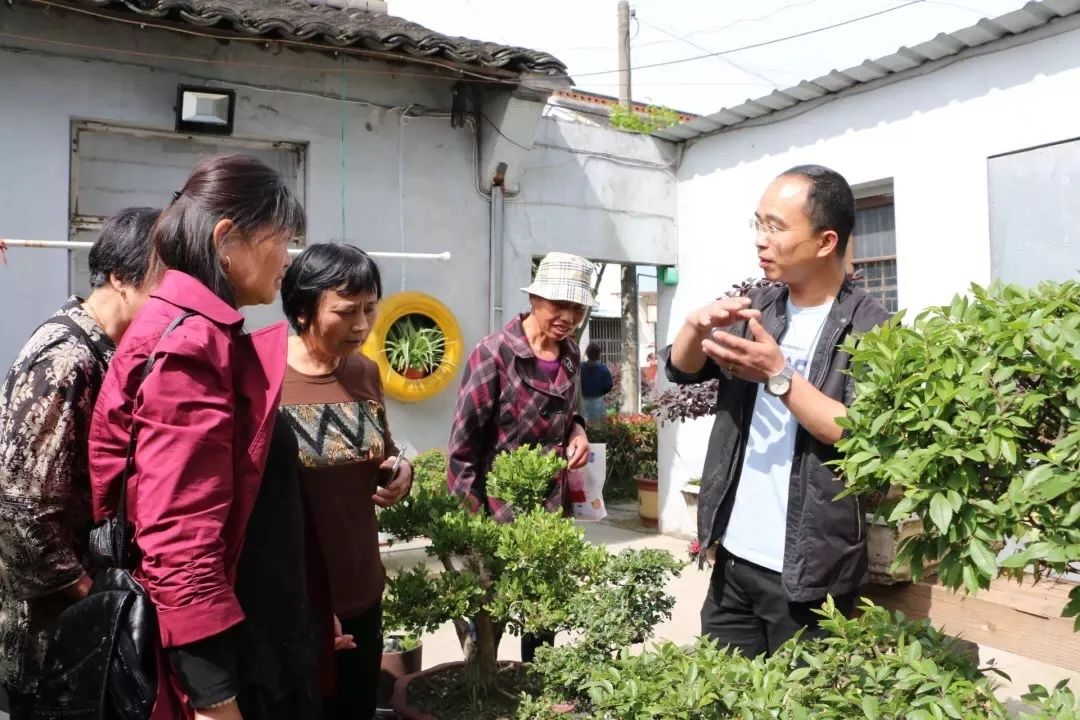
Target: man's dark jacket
825	546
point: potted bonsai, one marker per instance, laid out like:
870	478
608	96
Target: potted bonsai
527	575
641	439
968	420
414	351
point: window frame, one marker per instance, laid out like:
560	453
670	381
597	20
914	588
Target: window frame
880	198
85	222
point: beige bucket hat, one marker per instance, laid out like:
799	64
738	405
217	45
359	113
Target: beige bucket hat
564	278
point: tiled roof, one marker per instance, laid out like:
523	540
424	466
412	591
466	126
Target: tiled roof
945	47
324	24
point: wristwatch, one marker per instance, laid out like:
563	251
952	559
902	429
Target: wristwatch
779	384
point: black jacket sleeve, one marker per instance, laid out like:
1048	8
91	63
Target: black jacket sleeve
207	669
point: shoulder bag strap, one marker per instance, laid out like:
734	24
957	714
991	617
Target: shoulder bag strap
129	464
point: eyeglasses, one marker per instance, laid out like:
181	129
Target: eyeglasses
766	229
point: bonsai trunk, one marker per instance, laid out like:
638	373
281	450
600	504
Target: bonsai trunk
485	659
481	654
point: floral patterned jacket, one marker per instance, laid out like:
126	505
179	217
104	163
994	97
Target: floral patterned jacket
45	513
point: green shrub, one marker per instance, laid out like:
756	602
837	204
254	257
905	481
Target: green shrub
972	414
877	666
631	453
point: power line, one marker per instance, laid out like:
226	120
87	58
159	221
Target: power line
693	44
740	21
504	135
760	44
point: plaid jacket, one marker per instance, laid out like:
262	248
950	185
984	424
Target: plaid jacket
506	402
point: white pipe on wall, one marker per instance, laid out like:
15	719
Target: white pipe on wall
75	245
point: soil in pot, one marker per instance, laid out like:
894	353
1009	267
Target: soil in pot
442	693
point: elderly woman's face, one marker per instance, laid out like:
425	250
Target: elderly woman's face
557	320
342	322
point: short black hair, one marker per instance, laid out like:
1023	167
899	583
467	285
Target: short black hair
123	247
830	203
592	352
322	267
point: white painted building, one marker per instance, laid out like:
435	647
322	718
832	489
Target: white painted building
963	149
393	136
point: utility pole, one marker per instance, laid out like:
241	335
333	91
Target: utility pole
631	370
624	54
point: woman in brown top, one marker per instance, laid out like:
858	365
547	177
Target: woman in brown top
333	399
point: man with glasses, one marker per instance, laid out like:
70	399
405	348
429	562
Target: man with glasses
767	505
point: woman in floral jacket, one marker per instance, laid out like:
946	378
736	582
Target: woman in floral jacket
48	396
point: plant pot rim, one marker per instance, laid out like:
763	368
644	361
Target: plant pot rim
399	702
692	489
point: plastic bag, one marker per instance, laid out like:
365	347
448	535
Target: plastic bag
586	486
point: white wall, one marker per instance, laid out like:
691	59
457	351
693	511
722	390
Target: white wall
593	191
932	134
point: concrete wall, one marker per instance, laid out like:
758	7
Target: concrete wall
595	191
931	135
43	92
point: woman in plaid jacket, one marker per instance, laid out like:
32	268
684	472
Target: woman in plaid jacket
520	388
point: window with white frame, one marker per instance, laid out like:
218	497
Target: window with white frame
114	167
874	248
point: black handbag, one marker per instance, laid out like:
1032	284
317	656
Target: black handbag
102	663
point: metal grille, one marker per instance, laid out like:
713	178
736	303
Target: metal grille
875	252
607	333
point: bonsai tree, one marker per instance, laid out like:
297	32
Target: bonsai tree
414	351
971	416
532	574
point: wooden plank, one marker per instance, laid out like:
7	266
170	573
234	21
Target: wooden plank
1025	620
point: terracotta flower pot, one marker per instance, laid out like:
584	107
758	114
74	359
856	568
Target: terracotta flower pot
648	502
396	665
414	374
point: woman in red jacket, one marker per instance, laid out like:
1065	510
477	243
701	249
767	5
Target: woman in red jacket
204	418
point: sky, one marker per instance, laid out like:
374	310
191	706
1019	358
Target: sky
583	34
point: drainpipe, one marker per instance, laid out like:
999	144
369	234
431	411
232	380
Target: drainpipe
495	281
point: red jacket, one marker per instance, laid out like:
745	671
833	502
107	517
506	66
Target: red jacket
205	416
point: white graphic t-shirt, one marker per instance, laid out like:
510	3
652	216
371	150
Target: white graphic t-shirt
757	528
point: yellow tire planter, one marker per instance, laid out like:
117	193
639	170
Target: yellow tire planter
396	307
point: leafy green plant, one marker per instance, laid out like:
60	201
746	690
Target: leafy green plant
619	608
410	347
523	576
971	415
1058	703
631	452
403	643
654	119
877	666
523	478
